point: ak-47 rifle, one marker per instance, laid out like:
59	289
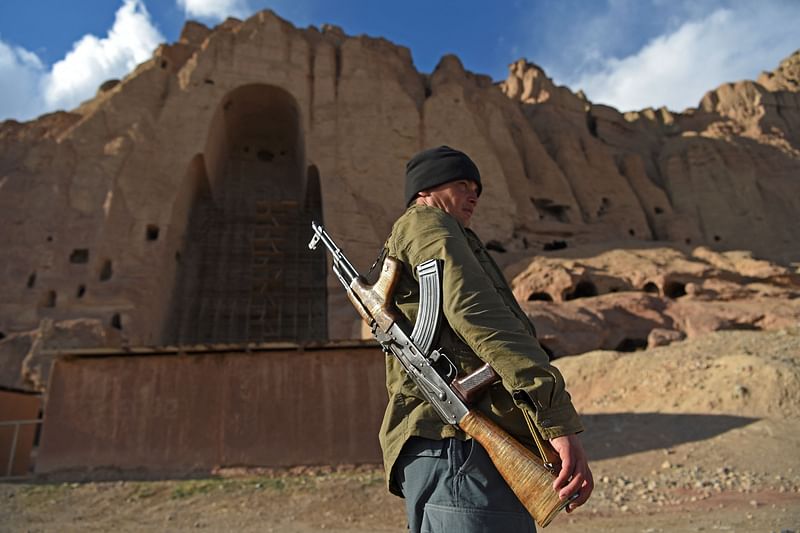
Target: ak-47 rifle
530	477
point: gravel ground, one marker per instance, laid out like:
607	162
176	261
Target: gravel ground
667	453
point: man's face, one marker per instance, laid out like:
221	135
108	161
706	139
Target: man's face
457	198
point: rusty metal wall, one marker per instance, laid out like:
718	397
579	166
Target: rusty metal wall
17	406
175	414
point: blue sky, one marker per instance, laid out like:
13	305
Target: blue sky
629	54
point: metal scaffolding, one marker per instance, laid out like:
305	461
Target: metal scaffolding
247	275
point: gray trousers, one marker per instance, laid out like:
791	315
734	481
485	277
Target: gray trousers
452	486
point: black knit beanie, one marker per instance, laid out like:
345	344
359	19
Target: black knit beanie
437	166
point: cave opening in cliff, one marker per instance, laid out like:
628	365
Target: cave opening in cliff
151	233
584	289
106	271
650	287
674	289
79	256
245	273
549	210
631	344
540	297
49	299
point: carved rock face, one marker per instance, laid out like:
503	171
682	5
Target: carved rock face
329	121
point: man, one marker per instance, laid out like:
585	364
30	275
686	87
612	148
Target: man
447	480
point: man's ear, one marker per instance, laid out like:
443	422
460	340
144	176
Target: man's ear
423	194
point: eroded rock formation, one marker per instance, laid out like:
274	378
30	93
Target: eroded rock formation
632	298
173	206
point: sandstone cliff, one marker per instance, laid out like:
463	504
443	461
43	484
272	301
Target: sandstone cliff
173	206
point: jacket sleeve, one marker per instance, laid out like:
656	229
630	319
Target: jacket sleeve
477	312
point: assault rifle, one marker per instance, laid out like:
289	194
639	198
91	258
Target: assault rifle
530	477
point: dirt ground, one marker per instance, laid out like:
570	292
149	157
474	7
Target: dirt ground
702	435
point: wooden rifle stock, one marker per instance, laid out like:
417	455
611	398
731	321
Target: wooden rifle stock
376	298
522	470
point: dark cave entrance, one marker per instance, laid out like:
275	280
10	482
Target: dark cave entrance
246	274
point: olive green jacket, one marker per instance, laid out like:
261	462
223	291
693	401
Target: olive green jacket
484	324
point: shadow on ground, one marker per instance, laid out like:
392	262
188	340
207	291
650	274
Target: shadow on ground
618	434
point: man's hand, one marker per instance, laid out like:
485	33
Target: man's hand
575	475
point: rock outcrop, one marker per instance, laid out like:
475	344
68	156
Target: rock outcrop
740	373
723	175
627	299
172	207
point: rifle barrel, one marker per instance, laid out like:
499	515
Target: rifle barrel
341	265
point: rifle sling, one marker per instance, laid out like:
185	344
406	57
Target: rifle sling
546	451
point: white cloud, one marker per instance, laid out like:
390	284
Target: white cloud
20	75
215	9
29	89
678	67
130	41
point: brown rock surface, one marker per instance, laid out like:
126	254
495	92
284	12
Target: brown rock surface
727	372
106	211
27	356
584	298
663	337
